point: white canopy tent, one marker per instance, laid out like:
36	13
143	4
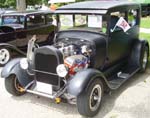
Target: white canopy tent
60	1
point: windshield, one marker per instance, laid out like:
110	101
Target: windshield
83	22
7	20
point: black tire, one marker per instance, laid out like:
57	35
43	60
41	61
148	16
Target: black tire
85	99
144	59
5	56
12	86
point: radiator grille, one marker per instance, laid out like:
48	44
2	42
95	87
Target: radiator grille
45	66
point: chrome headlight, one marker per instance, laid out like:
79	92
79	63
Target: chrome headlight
24	63
61	70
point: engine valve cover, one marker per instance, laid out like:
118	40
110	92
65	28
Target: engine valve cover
76	63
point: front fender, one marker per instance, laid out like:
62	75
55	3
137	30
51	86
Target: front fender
78	83
9	67
13	67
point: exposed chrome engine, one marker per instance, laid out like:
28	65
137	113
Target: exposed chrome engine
71	47
76	55
76	63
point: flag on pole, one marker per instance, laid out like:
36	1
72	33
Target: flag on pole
122	23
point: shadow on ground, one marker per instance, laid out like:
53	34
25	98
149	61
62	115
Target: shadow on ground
67	109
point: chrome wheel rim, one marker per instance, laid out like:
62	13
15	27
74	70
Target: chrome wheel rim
145	60
4	56
95	97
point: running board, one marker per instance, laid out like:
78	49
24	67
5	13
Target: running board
123	75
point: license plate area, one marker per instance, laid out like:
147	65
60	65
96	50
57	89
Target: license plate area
43	88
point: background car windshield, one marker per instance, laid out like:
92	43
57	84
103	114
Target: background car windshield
13	20
83	22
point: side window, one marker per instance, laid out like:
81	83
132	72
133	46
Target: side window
49	19
104	25
119	22
115	16
35	20
132	16
22	19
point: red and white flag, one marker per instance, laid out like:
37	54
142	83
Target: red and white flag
122	23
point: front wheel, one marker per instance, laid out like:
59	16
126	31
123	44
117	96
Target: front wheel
88	102
144	59
13	86
5	56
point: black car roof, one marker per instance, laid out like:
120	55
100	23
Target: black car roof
29	13
92	6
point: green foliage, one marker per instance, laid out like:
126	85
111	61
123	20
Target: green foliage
10	3
7	3
2	3
80	0
45	1
61	4
145	22
33	2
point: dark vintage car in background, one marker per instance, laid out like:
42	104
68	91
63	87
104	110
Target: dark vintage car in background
18	27
3	11
96	49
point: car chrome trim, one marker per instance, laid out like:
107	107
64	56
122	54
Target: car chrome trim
95	97
145	59
53	96
4	56
42	94
45	72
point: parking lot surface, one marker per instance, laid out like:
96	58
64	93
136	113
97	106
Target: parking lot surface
132	100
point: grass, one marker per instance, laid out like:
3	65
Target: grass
145	36
145	22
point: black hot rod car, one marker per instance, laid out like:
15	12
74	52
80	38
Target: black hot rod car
96	49
17	28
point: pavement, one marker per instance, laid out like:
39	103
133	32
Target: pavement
132	100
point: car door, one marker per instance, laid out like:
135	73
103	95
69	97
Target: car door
118	42
37	25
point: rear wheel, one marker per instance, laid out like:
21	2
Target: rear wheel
13	86
5	56
88	102
144	59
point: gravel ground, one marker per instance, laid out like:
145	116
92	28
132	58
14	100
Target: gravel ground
132	100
